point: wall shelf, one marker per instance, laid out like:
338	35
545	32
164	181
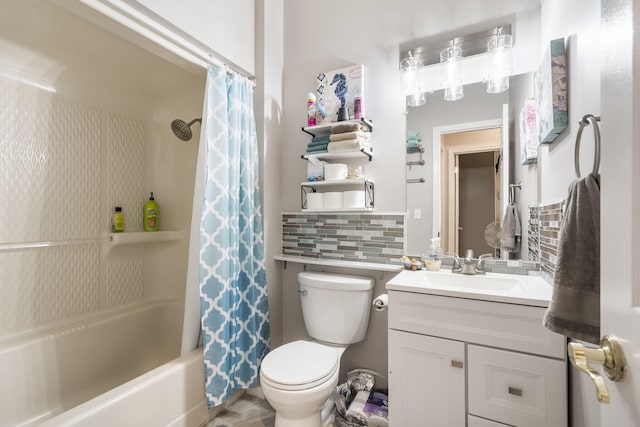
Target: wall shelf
337	263
337	182
365	152
134	237
365	184
325	128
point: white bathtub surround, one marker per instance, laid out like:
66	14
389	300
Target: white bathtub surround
144	401
49	370
233	294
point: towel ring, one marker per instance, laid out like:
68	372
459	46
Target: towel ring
586	120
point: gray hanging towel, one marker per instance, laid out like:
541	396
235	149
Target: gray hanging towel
574	309
511	231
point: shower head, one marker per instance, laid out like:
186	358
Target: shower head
183	130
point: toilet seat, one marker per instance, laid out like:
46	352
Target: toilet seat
299	365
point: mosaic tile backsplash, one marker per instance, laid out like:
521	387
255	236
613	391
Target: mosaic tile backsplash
360	237
545	222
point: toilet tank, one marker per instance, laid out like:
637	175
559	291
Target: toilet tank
335	307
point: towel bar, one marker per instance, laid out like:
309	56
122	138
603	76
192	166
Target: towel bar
586	120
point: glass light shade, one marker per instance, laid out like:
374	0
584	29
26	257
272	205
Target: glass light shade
409	80
417	99
500	68
451	79
453	93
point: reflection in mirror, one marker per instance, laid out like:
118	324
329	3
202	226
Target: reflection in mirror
461	196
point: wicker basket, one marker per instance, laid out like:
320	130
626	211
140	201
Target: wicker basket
340	420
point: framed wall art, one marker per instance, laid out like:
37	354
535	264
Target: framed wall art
339	88
551	92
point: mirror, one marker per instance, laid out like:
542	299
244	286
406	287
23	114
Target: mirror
471	174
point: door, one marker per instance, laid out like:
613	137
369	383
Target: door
476	200
620	204
426	380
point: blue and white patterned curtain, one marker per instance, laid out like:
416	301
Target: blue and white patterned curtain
233	293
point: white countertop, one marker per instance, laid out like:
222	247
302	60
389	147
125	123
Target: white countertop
506	288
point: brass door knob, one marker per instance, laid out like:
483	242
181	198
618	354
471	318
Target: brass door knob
609	355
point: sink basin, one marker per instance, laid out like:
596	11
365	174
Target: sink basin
473	283
509	288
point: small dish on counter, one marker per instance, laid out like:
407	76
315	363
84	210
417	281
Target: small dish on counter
433	264
412	263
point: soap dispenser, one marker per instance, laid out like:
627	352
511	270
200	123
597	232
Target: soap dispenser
151	215
435	252
434	261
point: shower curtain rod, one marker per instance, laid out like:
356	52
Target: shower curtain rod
137	21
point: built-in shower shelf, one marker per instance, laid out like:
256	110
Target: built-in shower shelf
135	237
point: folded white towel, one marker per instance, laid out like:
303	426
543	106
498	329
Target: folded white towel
365	136
348	145
347	127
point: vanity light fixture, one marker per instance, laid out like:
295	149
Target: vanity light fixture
440	64
451	77
499	50
410	81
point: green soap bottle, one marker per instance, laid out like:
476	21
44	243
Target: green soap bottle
151	222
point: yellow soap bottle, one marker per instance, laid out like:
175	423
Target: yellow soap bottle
117	220
151	215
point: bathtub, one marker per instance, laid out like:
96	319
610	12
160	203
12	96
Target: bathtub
76	373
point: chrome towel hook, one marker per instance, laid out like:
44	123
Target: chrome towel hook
593	121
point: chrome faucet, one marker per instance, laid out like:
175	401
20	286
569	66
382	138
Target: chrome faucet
480	266
469	265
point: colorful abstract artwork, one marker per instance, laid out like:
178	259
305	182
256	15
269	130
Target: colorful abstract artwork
551	92
529	132
336	89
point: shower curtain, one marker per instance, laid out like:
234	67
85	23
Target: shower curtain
233	293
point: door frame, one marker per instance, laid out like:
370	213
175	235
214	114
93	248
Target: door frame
438	133
452	234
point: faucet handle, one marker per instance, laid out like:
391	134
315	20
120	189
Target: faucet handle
456	261
468	255
480	264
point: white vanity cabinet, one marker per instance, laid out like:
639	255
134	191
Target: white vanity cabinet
464	362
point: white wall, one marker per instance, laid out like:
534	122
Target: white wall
336	34
226	27
268	109
578	22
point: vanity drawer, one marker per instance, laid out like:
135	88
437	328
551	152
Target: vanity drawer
510	326
516	389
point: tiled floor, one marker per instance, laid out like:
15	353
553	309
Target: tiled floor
248	411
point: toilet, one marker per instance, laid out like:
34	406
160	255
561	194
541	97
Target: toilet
297	378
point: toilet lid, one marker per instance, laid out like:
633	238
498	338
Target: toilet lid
300	363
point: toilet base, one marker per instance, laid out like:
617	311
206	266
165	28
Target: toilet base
300	408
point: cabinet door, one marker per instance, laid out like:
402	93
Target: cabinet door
426	381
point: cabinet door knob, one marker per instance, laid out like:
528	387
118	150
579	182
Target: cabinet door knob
457	364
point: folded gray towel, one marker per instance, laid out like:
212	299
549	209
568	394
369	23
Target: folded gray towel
511	230
574	309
